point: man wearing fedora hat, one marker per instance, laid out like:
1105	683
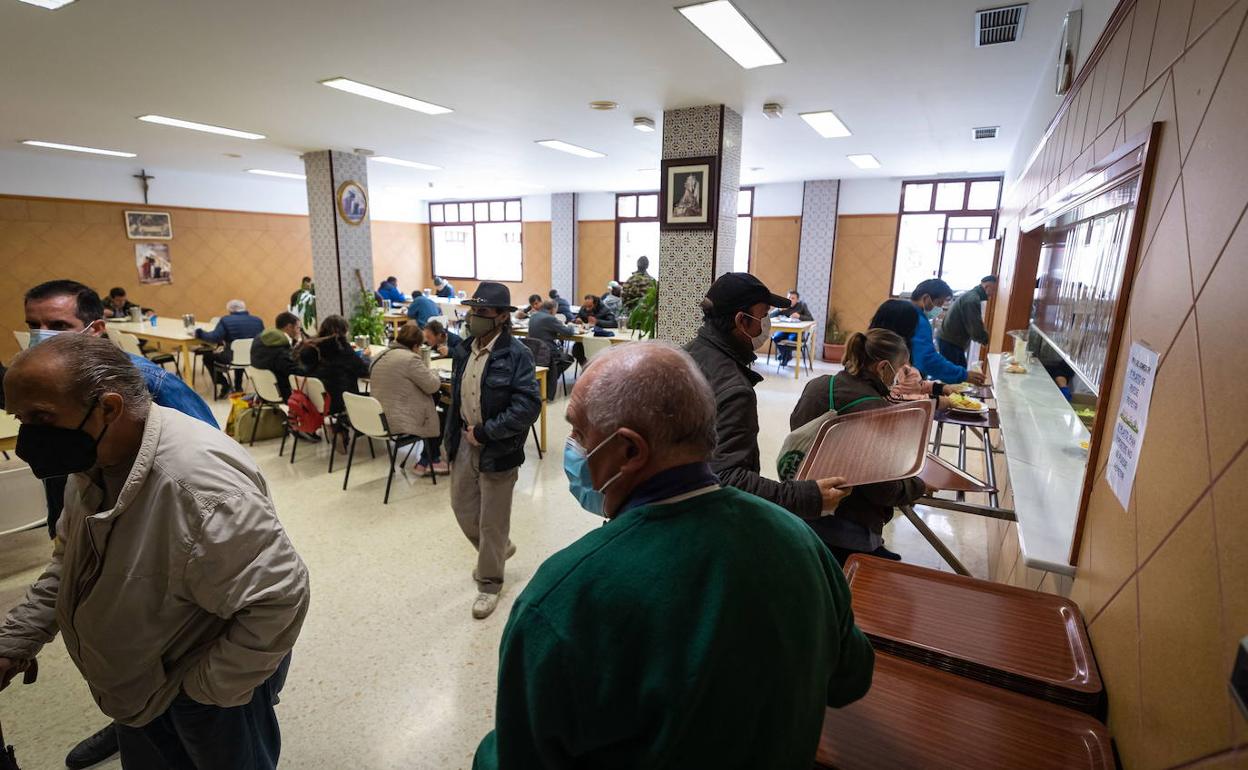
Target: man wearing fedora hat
494	403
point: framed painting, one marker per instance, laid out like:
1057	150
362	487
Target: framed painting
149	226
352	202
688	194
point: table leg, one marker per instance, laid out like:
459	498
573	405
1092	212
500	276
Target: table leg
541	383
188	366
934	540
797	355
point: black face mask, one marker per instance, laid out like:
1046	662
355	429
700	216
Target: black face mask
51	451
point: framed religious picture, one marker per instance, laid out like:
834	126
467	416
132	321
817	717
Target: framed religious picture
152	261
149	225
352	202
687	194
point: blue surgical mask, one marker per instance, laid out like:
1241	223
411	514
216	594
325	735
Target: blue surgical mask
43	335
934	313
580	480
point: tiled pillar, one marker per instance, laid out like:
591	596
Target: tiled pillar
339	248
689	260
563	239
814	256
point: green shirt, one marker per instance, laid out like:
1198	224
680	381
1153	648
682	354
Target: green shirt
708	632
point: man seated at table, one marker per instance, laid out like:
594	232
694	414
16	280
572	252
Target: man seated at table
699	627
238	324
613	299
546	328
443	288
274	350
443	342
389	292
929	299
422	309
535	304
594	313
796	311
177	590
561	305
118	305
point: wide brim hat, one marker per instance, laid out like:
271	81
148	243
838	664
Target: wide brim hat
491	294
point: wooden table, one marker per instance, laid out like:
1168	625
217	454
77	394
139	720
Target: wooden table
8	432
443	367
621	335
801	329
167	331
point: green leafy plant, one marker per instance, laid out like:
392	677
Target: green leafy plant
643	314
305	308
833	334
367	321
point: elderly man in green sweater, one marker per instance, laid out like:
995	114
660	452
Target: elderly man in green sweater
701	626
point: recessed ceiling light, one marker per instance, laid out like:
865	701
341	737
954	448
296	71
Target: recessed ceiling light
205	127
231	155
76	148
647	170
603	105
826	123
756	168
866	160
556	144
382	95
406	163
51	5
643	124
732	32
279	174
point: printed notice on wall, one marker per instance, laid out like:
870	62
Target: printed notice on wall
1132	418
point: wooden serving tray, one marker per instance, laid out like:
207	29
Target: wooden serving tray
919	717
941	474
868	447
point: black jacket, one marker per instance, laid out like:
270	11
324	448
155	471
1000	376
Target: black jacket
278	358
735	460
803	312
332	361
510	403
606	319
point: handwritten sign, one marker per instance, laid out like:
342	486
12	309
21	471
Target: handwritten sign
1131	420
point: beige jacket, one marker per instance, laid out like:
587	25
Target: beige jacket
403	385
188	583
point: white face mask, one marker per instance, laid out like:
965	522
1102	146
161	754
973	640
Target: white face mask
764	333
42	335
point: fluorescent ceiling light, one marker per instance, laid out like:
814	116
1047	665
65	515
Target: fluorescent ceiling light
406	163
826	123
382	95
279	174
51	5
864	161
205	127
556	144
732	32
76	148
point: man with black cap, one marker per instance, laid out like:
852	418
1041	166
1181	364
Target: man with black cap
494	403
734	324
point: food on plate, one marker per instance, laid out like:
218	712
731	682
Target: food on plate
1086	413
1083	445
1016	369
960	387
966	403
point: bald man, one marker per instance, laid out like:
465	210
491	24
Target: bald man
237	324
700	626
175	586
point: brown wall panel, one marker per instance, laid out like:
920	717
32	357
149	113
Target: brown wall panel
595	257
773	251
862	267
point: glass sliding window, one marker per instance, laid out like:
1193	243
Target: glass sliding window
636	233
477	239
945	230
745	227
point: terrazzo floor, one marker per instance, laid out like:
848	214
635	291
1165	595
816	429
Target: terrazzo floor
391	671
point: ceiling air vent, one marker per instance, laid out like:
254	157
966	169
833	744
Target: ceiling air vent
985	132
999	25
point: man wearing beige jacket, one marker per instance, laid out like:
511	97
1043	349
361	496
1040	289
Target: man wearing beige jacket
174	585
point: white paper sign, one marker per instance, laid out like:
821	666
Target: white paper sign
1131	420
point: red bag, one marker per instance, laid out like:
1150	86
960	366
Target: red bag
303	414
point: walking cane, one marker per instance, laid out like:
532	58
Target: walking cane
8	760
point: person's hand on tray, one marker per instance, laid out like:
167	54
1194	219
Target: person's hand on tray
833	491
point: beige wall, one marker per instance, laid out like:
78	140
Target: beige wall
595	257
401	249
773	251
862	267
1164	584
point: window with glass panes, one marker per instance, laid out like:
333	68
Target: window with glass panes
636	233
477	239
945	230
745	226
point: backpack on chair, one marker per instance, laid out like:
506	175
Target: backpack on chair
303	414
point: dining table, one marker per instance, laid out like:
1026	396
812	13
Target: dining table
166	331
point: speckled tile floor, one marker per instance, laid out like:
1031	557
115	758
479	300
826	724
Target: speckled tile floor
391	671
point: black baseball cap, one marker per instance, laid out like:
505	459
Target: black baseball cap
491	294
732	292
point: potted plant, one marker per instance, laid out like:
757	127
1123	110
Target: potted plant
642	316
833	338
367	319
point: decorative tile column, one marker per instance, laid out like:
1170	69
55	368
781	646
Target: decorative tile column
689	260
339	248
563	240
814	256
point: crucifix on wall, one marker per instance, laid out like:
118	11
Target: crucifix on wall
145	180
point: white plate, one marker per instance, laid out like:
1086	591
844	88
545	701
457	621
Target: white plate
983	409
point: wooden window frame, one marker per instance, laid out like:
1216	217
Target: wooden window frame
474	222
619	220
995	213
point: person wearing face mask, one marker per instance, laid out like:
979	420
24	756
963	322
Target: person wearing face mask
964	322
734	325
929	298
494	403
176	589
872	364
698	627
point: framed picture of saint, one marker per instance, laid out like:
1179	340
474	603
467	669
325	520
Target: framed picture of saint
688	193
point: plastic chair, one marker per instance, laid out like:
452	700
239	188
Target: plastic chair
23	339
369	419
315	391
127	342
240	356
265	384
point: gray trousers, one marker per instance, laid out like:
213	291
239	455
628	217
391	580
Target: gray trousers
482	504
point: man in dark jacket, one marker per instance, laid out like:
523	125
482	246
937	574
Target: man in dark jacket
494	402
964	322
734	324
443	288
796	311
594	313
422	309
237	325
544	327
273	350
389	291
561	305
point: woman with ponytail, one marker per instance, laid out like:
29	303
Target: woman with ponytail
873	362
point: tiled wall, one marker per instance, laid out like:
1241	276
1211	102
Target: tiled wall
1164	584
814	277
563	243
863	267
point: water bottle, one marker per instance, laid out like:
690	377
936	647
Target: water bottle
153	320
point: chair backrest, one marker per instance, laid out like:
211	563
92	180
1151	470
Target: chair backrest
365	414
240	351
540	350
128	343
315	390
23	339
8	425
595	345
265	382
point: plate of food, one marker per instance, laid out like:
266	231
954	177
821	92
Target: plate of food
960	387
966	404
